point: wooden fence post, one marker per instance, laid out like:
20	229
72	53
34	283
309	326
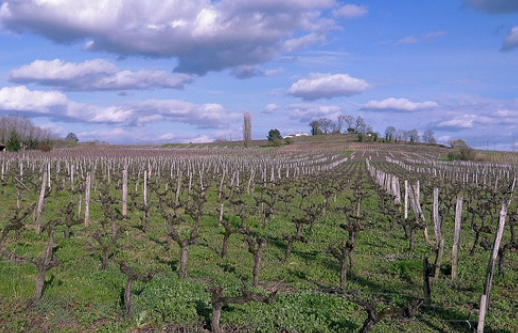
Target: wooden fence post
40	202
87	199
125	191
485	299
456	239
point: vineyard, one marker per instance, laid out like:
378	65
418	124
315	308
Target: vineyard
206	239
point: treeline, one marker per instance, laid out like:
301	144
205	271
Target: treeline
344	124
20	133
347	124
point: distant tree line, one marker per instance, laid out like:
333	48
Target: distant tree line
347	124
413	136
344	124
19	132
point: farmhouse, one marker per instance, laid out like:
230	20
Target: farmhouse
296	135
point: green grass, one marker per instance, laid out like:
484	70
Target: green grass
79	296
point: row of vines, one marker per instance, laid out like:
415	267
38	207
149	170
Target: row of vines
193	240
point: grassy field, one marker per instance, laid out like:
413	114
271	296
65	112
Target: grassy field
384	277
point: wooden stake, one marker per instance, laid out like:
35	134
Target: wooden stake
87	200
40	203
125	192
456	239
485	299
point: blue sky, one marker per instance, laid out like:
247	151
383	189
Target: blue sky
137	71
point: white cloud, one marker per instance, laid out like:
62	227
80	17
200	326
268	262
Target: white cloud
506	113
204	35
350	11
302	42
511	40
429	37
24	100
94	74
271	108
319	85
307	112
55	105
467	121
398	104
458	123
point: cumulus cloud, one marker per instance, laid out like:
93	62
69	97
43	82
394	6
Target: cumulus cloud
493	6
307	112
398	104
511	40
505	113
463	122
466	121
93	75
203	35
271	108
319	85
55	105
350	11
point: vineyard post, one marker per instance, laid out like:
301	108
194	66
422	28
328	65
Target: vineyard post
40	202
145	187
72	178
485	298
456	239
87	199
48	175
439	241
125	191
406	200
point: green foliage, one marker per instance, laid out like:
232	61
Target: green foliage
167	299
461	151
274	134
288	141
13	144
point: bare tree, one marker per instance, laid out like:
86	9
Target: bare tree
390	131
348	119
361	126
327	125
429	136
315	127
247	129
413	136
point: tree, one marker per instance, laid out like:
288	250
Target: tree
429	136
413	135
348	119
326	125
389	133
72	137
464	152
361	126
273	135
315	127
247	129
13	144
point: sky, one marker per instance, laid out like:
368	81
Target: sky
143	71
